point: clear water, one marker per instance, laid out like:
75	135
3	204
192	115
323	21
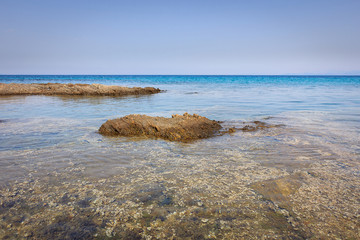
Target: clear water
42	136
38	123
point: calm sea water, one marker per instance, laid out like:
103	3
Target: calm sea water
54	163
37	124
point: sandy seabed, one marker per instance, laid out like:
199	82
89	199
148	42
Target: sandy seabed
289	188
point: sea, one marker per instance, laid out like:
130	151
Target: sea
56	169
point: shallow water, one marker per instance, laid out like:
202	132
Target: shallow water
299	180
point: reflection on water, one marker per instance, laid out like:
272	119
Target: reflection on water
60	179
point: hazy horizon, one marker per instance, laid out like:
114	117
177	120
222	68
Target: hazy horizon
179	37
270	75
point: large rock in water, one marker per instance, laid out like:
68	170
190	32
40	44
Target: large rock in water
72	89
178	128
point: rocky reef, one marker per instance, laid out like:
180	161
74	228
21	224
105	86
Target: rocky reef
72	89
183	128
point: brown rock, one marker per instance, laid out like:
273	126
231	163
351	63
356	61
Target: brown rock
72	89
252	127
178	128
257	125
279	190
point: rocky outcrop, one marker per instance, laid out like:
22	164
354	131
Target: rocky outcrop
72	89
178	128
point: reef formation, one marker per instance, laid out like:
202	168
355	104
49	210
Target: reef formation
72	89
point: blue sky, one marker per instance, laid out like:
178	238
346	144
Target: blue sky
179	37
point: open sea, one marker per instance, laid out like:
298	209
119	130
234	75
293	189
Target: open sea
60	179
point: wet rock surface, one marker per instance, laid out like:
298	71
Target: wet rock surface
183	128
251	127
72	89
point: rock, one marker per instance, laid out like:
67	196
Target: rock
279	190
251	127
257	125
178	128
72	89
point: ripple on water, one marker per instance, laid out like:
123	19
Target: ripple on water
53	170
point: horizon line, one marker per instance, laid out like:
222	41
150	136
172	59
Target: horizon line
349	75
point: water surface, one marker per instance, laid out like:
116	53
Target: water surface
55	167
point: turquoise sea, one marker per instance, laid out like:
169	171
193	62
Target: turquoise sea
50	151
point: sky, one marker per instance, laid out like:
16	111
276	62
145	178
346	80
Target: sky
223	37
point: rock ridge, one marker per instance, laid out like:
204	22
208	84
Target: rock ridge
72	89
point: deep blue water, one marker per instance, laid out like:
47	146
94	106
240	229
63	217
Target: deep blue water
184	79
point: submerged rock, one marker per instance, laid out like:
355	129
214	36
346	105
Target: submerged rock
72	89
257	125
178	128
251	127
279	190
